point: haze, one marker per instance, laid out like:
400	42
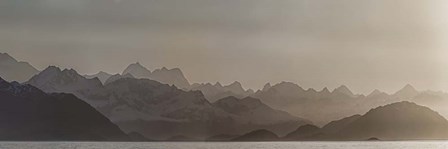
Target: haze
364	44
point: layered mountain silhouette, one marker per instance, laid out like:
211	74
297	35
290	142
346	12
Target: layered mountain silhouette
163	75
317	106
103	76
324	106
13	70
57	104
217	91
397	121
29	114
117	77
146	106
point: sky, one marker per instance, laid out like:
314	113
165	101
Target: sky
363	44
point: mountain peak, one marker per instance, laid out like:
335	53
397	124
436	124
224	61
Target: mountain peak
236	83
235	87
266	87
344	90
137	70
409	87
170	76
407	91
217	84
325	90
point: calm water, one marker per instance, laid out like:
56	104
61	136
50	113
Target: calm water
226	145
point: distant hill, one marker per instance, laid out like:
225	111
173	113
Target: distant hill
302	133
317	106
29	114
137	70
324	106
252	110
397	121
258	135
13	70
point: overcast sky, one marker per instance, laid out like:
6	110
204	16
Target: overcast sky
364	44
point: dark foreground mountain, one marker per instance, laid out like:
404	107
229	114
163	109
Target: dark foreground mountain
29	114
159	111
13	70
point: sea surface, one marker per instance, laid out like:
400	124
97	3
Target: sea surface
227	145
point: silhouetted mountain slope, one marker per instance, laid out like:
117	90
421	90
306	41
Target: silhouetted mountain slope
302	132
257	135
102	76
13	70
337	125
135	136
29	114
343	90
163	75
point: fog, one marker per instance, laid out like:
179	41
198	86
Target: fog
364	44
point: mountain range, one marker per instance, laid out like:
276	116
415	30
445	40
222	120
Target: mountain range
162	105
397	121
143	106
324	106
